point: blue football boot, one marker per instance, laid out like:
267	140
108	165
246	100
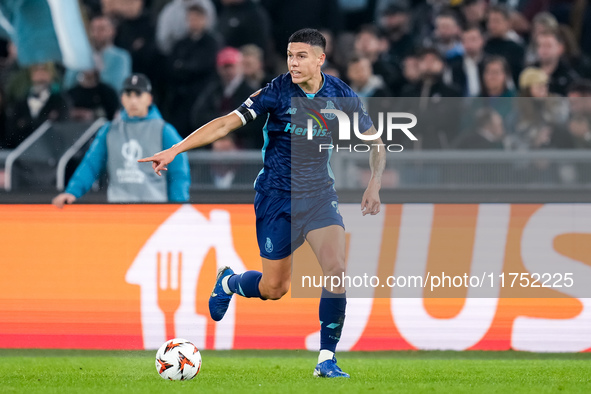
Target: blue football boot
219	300
329	369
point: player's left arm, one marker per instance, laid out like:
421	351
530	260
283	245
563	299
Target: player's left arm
206	134
370	203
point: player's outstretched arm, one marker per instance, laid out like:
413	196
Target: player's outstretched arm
370	203
206	134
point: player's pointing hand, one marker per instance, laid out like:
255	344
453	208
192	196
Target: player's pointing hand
160	160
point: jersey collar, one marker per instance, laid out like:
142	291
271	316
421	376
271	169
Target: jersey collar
312	95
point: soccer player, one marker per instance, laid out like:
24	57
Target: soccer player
286	217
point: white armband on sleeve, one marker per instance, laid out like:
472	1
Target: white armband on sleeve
246	115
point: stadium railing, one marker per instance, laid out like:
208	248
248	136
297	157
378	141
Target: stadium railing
437	176
545	169
3	155
41	160
480	169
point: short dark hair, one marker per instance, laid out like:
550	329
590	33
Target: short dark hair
450	14
394	9
497	59
488	60
475	27
550	33
500	9
430	50
469	2
309	36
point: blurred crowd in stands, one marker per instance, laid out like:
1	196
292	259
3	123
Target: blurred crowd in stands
527	61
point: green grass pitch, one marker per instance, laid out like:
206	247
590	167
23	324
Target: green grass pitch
76	371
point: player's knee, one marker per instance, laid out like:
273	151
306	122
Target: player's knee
332	262
334	268
275	291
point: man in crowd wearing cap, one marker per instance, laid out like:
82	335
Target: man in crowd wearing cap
224	94
119	144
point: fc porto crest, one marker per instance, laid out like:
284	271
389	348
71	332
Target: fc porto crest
330	105
269	245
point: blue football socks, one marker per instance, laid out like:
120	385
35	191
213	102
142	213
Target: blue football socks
246	284
332	316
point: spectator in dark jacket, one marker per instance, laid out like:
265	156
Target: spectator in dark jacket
91	99
497	86
431	83
363	81
550	52
136	33
242	22
467	69
496	78
372	44
410	71
367	85
289	16
396	23
446	36
541	116
437	128
190	67
499	41
224	94
579	61
474	13
172	26
488	133
579	128
254	70
542	23
579	97
41	104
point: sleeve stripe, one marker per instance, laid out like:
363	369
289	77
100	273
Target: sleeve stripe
240	116
254	114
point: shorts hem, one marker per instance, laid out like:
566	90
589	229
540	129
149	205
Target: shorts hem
275	259
312	228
